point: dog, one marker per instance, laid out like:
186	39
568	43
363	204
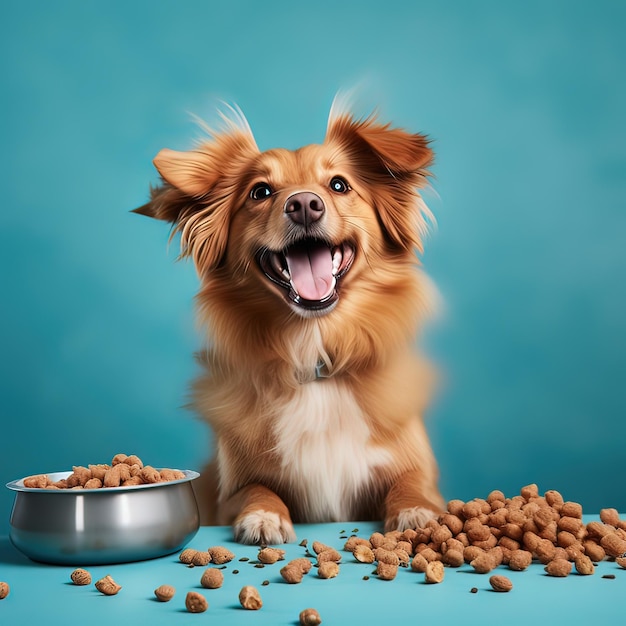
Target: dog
312	294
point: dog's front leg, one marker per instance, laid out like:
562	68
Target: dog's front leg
411	502
258	516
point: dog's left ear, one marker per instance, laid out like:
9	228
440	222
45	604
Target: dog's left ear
394	162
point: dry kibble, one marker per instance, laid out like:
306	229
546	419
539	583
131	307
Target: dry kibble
269	556
295	570
594	551
186	556
363	553
93	483
434	572
520	560
221	555
310	617
164	593
328	569
81	577
149	474
112	477
484	563
39	481
419	563
584	565
201	558
354	542
610	516
250	598
328	555
212	578
107	586
386	571
453	558
559	568
196	602
320	547
500	583
4	590
572	509
621	561
613	545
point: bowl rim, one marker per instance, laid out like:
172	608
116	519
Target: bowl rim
18	485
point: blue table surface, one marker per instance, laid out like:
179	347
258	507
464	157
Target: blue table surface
44	594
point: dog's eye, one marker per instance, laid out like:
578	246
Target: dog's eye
260	191
339	185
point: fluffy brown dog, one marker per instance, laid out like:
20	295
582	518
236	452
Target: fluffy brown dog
311	294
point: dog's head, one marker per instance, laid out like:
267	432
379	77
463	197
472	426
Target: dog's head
295	226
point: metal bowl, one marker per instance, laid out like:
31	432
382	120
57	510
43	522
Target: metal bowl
98	526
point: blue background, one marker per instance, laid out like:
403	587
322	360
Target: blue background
525	103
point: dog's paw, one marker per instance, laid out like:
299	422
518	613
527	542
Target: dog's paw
263	527
414	517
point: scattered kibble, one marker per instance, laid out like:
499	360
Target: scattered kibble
500	583
310	617
250	598
212	578
164	593
107	586
4	590
81	577
196	602
295	570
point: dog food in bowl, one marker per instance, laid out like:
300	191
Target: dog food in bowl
101	514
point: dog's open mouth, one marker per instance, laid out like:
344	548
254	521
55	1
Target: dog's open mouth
309	271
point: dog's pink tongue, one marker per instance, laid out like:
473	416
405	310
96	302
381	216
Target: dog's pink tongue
311	269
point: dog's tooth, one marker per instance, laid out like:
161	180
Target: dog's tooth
286	274
337	258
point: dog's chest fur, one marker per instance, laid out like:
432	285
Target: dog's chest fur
323	440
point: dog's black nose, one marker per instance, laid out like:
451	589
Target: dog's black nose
304	208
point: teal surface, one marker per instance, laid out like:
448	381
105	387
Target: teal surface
525	102
42	594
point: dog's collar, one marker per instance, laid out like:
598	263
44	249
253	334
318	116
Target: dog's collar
321	370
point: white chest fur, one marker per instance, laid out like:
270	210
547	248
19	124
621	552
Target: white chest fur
323	440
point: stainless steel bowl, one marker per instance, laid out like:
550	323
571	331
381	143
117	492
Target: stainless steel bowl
98	526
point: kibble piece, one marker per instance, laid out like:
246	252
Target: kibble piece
186	556
4	590
484	563
164	593
221	555
386	571
112	477
310	617
81	577
149	474
500	583
196	602
271	555
40	481
328	555
363	553
107	586
212	578
250	598
453	558
320	547
583	565
614	545
419	563
354	542
294	571
201	558
434	572
328	569
610	516
559	568
520	560
621	561
572	509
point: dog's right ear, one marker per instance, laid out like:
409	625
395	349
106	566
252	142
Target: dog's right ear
197	191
